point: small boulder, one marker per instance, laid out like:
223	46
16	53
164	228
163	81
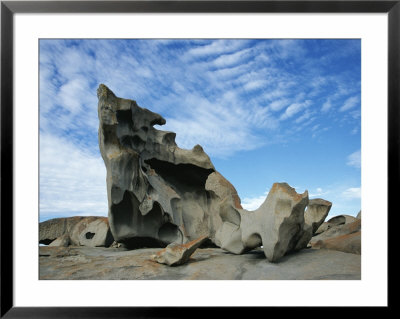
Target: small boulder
62	241
349	243
336	231
341	219
177	254
92	232
78	231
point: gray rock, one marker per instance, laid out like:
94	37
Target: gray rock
157	192
338	230
178	254
52	229
81	231
92	232
341	219
62	241
348	243
316	212
277	224
160	194
359	215
86	263
335	221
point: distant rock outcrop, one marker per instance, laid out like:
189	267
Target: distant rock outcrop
77	231
160	194
345	237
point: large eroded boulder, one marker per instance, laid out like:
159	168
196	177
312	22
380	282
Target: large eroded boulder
277	224
78	231
336	231
157	192
160	194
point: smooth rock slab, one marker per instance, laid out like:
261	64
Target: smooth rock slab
176	254
72	263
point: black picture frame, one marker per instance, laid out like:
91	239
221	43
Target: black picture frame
9	8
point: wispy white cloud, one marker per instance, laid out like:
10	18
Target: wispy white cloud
327	105
72	181
295	108
352	192
229	96
350	103
354	159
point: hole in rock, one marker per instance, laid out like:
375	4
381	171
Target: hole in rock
170	233
46	241
89	235
125	116
142	242
188	175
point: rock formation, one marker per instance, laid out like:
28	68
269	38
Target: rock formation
345	237
177	254
160	194
77	231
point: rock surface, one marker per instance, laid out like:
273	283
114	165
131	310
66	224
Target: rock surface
71	263
79	231
348	243
160	194
157	191
342	237
277	225
62	241
178	254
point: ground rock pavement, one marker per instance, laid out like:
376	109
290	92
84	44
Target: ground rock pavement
70	263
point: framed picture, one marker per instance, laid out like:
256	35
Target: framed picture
36	42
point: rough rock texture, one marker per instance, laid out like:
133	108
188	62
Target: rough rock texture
348	243
277	224
359	215
178	254
85	263
62	241
157	192
338	237
316	212
335	221
78	231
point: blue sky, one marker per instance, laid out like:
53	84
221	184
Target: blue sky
265	111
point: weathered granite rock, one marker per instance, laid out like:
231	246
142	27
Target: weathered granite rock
315	214
87	263
277	224
52	229
335	221
79	231
348	243
178	254
338	230
157	192
62	241
92	232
